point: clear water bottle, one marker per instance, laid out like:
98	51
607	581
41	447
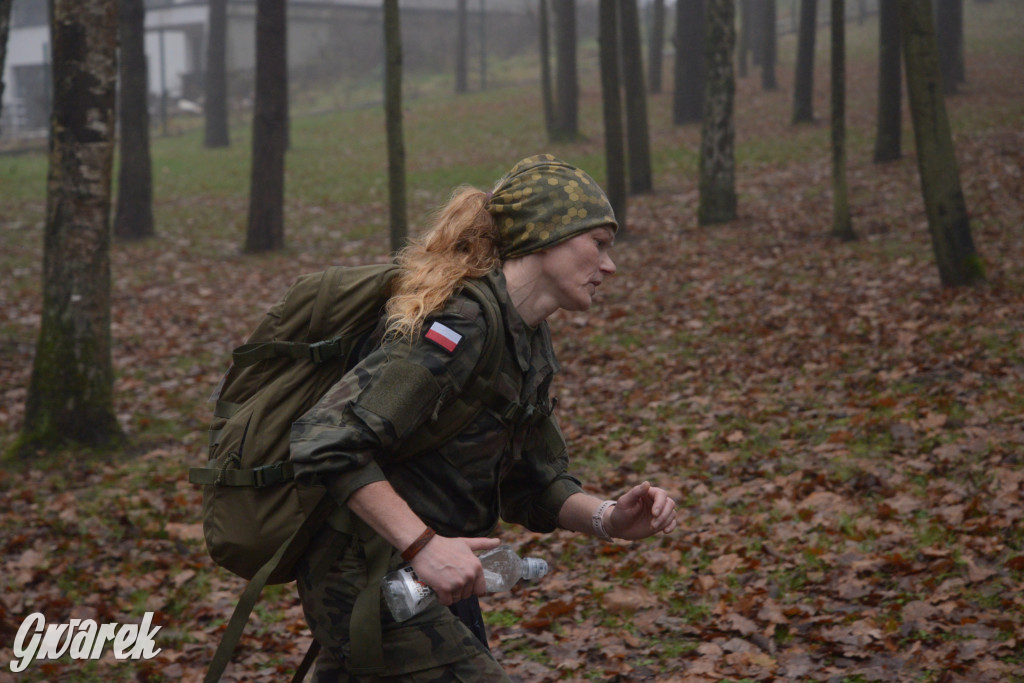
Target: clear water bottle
406	595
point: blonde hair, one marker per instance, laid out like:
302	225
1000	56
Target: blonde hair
461	244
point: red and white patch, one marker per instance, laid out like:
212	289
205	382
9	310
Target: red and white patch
445	337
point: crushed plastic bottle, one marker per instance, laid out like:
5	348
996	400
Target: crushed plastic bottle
406	595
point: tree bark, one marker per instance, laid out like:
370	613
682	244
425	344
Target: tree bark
393	120
769	47
638	134
545	70
949	32
717	185
269	130
688	102
70	395
5	26
216	107
842	226
567	125
133	218
461	47
803	89
611	100
889	136
948	223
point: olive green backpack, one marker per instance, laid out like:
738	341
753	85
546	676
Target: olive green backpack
257	520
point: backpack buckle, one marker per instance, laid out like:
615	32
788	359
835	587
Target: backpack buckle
268	475
323	351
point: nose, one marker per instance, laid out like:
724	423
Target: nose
607	265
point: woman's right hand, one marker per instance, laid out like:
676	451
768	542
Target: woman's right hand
451	568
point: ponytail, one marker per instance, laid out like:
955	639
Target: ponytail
463	243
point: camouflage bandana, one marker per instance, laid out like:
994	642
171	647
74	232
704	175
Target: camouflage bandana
542	202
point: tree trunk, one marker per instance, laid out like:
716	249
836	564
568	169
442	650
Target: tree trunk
948	31
70	395
567	125
393	120
611	99
717	183
842	226
656	47
545	70
133	218
688	102
637	130
958	262
769	47
5	25
216	108
803	89
461	47
269	130
888	141
743	47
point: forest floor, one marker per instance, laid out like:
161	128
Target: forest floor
844	436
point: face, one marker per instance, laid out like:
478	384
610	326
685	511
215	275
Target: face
574	269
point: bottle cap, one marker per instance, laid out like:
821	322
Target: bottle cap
534	568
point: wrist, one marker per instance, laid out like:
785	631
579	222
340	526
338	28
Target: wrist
601	520
417	545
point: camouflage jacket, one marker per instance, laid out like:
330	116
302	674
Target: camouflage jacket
355	434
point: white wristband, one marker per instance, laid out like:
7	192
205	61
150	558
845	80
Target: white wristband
597	521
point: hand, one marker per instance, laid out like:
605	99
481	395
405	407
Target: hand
450	567
643	511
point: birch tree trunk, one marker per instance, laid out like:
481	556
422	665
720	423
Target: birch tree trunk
717	184
70	395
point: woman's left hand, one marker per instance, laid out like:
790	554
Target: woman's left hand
641	512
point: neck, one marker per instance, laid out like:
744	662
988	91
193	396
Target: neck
527	296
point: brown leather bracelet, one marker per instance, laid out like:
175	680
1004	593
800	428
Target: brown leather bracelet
418	544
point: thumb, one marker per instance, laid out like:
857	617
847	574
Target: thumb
476	544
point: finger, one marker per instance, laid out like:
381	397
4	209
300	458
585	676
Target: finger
476	544
633	496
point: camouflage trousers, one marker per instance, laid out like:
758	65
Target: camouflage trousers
434	646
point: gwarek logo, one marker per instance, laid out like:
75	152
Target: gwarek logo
82	639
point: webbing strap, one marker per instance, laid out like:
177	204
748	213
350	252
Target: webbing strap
365	625
257	477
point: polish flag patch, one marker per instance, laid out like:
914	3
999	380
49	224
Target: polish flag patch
445	337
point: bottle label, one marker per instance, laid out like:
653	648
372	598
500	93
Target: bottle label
418	591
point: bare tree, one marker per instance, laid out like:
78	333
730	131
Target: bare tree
567	126
461	47
803	89
769	46
842	226
717	185
545	70
269	129
948	223
656	47
641	177
888	139
5	25
393	117
70	395
216	105
611	99
688	100
133	218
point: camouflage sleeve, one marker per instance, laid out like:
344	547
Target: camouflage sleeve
398	387
538	484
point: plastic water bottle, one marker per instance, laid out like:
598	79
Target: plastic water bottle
406	595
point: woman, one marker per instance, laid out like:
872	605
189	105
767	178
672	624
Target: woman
540	242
